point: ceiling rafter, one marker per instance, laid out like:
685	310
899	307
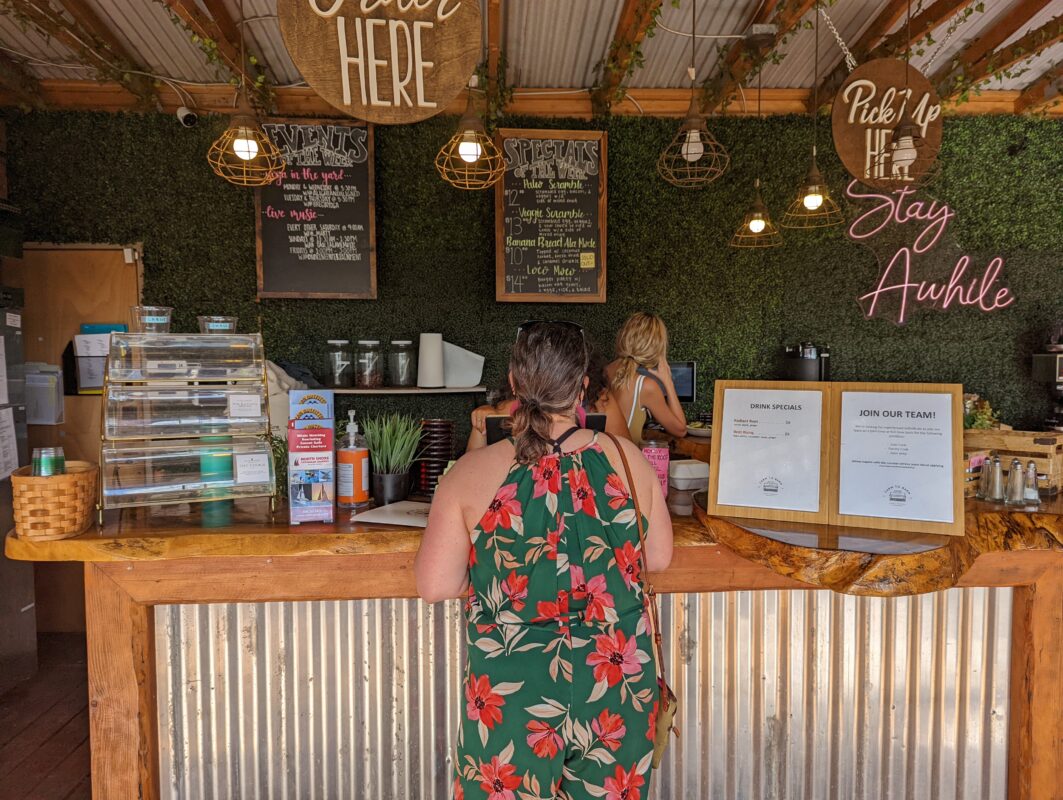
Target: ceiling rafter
1045	91
213	29
999	32
635	19
895	44
725	83
16	79
1026	46
85	34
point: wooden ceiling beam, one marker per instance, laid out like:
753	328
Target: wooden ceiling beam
1045	92
82	36
636	16
1026	46
725	83
20	83
208	28
895	44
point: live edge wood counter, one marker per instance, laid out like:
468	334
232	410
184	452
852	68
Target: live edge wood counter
149	557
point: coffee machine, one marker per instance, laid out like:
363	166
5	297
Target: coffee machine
805	362
1048	368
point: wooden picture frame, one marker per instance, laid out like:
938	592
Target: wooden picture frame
371	294
716	508
597	296
955	391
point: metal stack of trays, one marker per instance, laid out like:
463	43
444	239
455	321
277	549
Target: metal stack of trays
437	450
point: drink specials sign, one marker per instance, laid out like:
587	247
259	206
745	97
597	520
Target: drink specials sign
314	223
870	104
550	217
386	61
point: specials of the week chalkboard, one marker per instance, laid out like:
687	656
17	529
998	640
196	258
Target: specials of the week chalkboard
315	223
550	217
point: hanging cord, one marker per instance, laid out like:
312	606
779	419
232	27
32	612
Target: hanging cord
693	39
850	59
815	89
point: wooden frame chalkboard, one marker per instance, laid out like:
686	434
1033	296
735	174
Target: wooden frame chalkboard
326	147
585	288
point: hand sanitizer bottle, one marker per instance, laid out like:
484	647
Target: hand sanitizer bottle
352	460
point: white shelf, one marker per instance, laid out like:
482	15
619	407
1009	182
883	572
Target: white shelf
413	390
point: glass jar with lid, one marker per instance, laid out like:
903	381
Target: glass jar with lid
339	359
402	363
369	364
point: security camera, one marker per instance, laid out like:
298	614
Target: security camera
187	117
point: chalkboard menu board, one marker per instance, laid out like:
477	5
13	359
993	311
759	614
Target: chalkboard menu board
315	223
550	217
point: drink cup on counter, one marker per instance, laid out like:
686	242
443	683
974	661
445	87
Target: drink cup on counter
656	452
211	324
48	461
150	319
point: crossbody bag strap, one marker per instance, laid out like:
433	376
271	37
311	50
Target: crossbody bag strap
648	593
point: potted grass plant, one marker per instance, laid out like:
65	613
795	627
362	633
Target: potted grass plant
393	440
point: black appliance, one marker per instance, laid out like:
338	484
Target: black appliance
805	362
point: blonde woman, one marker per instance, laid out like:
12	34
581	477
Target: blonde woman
640	379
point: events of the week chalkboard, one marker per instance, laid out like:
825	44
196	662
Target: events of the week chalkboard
551	219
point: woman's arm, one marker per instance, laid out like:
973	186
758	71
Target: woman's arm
478	434
664	373
441	567
675	422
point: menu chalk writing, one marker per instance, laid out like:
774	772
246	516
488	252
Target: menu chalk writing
315	222
550	217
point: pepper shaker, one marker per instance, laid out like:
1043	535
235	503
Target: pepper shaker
1015	495
982	493
996	482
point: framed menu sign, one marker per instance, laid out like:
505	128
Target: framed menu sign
314	225
768	459
550	217
898	457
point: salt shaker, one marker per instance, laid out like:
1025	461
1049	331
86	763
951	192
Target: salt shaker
1015	495
996	482
1030	493
982	493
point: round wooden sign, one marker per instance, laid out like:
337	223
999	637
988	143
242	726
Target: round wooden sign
870	104
386	61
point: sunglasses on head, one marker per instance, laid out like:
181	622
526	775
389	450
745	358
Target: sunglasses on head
524	327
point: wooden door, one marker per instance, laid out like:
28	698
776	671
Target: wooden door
67	285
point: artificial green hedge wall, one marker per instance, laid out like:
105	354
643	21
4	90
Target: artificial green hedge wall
86	177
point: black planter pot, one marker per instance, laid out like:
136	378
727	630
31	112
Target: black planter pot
389	489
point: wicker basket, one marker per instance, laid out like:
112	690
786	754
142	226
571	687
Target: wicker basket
56	507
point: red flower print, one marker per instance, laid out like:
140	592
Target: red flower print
553	539
543	739
547	476
459	790
651	732
482	628
515	587
597	599
482	703
616	491
502	508
582	493
609	728
472	556
627	560
623	785
613	657
499	780
579	583
551	612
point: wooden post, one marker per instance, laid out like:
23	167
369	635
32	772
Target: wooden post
123	714
1035	737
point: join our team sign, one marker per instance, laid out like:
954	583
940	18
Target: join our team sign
385	61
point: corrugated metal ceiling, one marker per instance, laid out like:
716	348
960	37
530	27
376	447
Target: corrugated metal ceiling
548	43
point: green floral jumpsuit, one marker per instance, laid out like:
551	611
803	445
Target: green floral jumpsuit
560	688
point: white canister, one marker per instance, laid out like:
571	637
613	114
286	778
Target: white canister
430	361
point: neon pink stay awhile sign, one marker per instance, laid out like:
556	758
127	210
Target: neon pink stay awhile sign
900	208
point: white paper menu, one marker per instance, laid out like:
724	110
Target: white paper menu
8	443
770	448
895	459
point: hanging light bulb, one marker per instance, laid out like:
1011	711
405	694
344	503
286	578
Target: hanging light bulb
693	149
756	223
470	159
812	200
756	228
244	144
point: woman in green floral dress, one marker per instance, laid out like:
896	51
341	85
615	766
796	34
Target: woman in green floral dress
560	687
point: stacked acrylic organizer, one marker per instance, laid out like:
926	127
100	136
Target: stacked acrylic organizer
185	420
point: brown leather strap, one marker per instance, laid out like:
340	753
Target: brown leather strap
649	596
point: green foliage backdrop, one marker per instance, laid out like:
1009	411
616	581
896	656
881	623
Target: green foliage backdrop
85	177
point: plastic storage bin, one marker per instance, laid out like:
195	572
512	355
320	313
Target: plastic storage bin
146	357
136	411
159	473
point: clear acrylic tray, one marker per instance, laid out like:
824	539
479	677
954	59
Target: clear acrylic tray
147	357
157	473
138	411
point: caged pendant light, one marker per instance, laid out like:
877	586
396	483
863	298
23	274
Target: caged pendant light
813	207
244	155
694	158
470	159
757	228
